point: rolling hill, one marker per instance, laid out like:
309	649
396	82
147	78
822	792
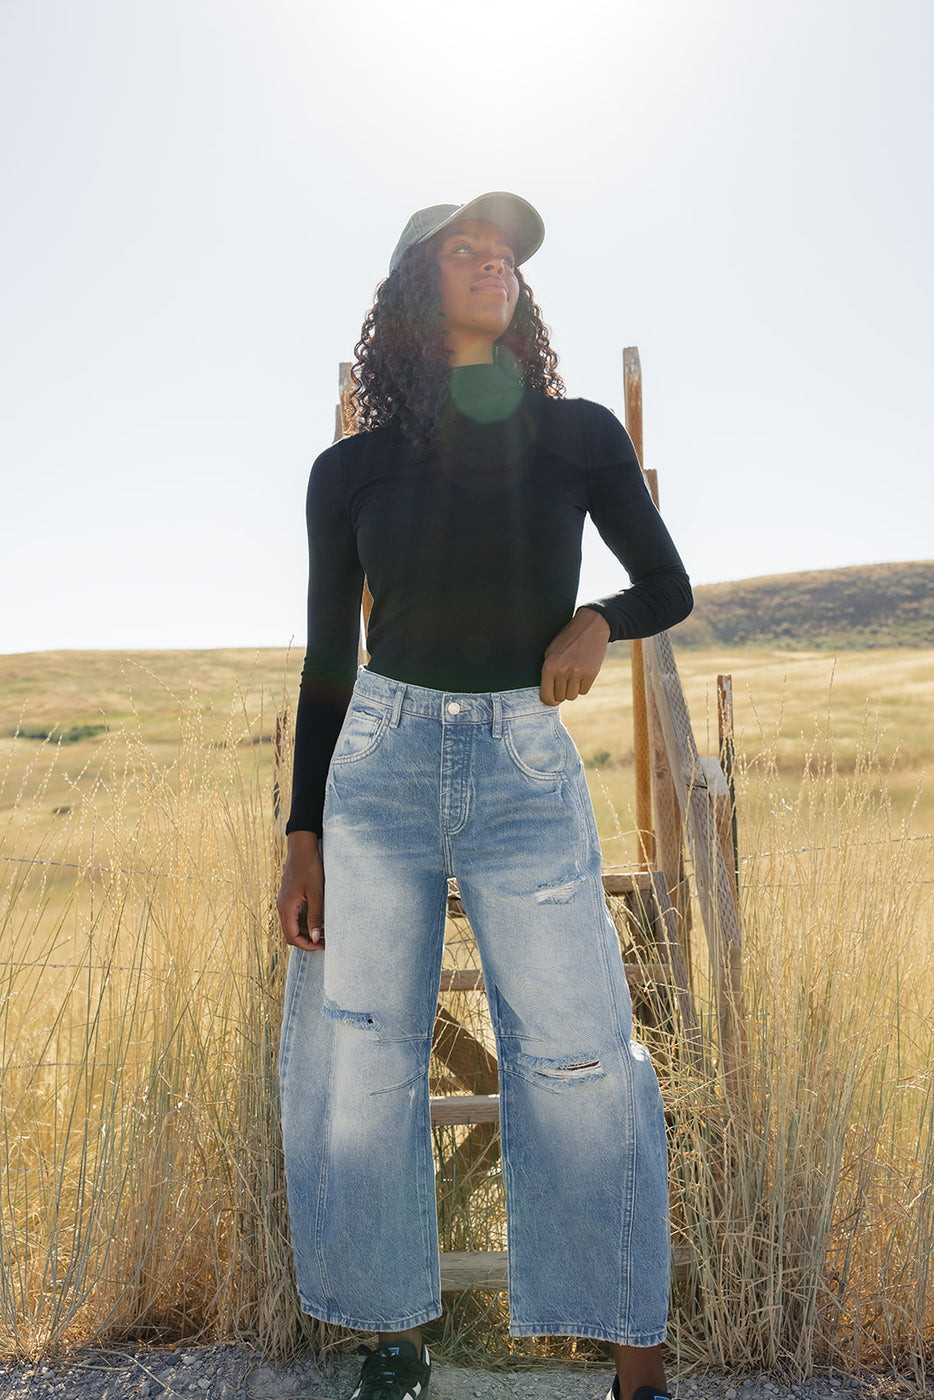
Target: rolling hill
868	605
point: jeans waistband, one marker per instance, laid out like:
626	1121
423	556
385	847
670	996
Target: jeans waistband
453	707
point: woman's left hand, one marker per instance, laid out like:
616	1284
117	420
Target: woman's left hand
573	658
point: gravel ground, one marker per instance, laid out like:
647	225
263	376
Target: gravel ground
230	1373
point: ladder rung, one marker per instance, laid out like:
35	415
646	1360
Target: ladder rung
642	974
614	882
627	881
461	1109
489	1269
464	979
465	1108
483	1269
470	979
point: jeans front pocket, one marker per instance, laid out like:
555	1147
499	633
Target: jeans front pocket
540	746
363	728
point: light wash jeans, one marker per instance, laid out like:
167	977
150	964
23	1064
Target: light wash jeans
488	788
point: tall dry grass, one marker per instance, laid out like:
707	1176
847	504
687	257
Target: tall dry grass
805	1207
142	1192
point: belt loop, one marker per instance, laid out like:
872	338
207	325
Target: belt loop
497	730
397	700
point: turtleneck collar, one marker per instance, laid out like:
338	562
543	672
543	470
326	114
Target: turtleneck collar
485	393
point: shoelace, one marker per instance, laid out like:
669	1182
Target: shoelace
381	1369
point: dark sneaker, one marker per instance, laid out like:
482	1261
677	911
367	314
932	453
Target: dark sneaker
645	1392
393	1372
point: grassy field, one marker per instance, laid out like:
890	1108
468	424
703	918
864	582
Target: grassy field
878	701
876	705
141	1191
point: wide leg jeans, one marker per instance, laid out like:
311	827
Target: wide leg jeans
425	785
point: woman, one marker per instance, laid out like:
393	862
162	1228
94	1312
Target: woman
462	499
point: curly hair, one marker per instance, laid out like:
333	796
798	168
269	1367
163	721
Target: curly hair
402	362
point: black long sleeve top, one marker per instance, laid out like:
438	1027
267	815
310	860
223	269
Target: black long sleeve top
472	555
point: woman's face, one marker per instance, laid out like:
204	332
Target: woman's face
479	288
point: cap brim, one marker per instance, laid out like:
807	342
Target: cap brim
521	223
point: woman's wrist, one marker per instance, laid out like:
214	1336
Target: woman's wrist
302	841
593	612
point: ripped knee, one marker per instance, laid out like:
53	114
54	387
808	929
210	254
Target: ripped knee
362	1020
563	1072
559	894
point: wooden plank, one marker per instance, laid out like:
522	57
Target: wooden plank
465	979
669	829
470	979
666	934
627	881
461	1270
345	389
483	1269
465	1108
646	974
466	1058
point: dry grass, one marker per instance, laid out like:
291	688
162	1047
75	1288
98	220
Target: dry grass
141	1192
806	1207
881	701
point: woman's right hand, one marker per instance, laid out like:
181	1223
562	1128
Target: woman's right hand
301	894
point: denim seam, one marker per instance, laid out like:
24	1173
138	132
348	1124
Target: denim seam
628	1173
288	1017
572	790
325	1149
568	1327
370	1324
423	1170
509	1184
394	1088
425	1178
625	1273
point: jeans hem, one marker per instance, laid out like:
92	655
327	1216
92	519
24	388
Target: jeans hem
620	1337
359	1324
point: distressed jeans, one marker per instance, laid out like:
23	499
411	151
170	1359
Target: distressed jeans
425	785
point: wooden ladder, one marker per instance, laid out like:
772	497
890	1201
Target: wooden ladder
659	978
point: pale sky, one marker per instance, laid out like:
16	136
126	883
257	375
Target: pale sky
199	198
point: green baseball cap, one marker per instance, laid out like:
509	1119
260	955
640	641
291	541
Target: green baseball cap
521	224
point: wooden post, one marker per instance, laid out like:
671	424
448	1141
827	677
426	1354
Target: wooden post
714	880
645	835
346	388
727	762
667	828
669	832
346	425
